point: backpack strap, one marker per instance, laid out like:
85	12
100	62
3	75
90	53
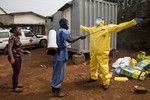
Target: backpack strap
60	47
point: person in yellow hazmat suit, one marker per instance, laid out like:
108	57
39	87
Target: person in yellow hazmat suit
100	47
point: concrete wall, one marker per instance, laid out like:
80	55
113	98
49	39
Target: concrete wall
2	12
53	21
36	23
28	19
67	15
6	19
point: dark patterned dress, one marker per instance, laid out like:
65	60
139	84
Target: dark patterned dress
16	51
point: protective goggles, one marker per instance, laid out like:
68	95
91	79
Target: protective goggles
98	21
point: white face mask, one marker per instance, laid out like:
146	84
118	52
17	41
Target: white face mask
98	22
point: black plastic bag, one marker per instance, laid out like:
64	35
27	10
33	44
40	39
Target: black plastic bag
52	51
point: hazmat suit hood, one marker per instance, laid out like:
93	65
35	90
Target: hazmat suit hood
99	22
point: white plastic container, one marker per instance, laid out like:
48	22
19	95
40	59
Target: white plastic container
52	39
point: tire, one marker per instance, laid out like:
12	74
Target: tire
6	50
43	43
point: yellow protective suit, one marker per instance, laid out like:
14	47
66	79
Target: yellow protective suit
100	47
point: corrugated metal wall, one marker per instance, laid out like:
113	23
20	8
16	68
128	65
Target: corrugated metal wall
84	12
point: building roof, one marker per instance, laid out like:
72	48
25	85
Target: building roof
29	12
69	4
3	10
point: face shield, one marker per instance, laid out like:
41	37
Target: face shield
99	21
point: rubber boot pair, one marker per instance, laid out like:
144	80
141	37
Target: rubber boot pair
105	87
57	92
91	80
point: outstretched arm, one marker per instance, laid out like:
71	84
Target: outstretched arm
117	28
74	39
86	29
67	37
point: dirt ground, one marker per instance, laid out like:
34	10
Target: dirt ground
36	80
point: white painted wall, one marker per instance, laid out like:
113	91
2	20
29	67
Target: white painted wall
28	19
67	15
2	12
